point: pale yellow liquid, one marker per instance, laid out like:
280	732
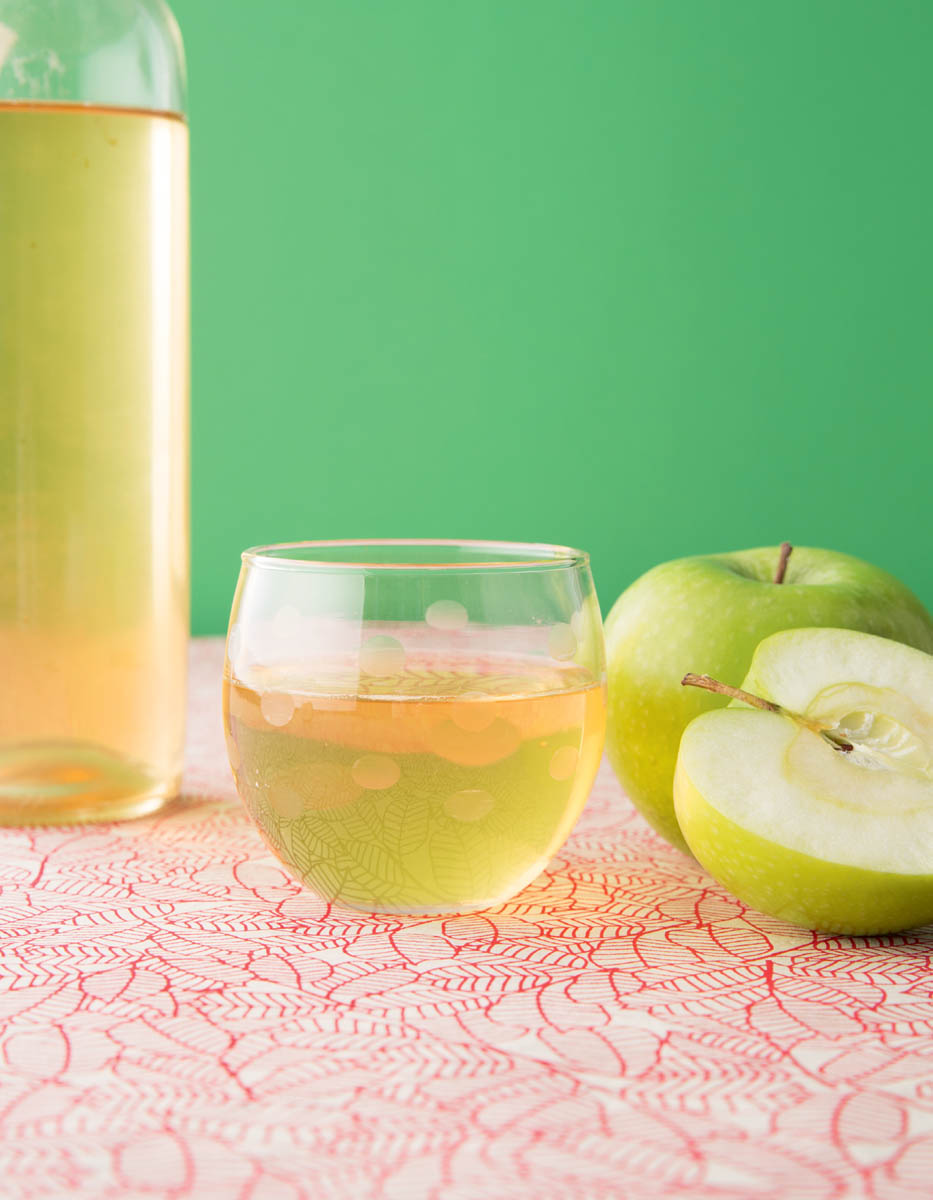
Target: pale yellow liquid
93	461
449	794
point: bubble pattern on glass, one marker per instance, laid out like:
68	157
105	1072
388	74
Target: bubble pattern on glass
378	654
476	738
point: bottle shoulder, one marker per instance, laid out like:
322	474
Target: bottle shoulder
110	53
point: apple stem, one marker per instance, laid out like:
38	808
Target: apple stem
707	683
724	689
786	551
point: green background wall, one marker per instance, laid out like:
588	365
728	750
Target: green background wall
652	277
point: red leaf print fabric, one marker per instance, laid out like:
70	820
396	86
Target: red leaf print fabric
179	1019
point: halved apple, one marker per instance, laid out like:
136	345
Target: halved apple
819	813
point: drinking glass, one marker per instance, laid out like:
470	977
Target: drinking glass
415	726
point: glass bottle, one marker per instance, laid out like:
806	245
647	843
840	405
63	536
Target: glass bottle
93	409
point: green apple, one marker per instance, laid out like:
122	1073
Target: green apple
707	615
819	810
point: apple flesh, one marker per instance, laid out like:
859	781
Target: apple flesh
708	615
835	840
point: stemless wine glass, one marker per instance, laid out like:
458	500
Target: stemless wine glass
415	726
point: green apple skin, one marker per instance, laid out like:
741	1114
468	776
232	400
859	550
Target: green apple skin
707	615
795	887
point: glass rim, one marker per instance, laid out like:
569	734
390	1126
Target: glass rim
527	555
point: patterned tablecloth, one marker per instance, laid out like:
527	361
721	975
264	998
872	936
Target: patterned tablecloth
180	1019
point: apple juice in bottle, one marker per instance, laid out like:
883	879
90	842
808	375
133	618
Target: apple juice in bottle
93	409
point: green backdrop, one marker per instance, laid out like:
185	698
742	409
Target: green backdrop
652	277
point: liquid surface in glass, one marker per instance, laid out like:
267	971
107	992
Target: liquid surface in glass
93	460
442	787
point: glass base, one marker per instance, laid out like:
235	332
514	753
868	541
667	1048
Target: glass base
72	783
451	909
